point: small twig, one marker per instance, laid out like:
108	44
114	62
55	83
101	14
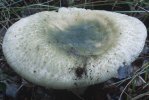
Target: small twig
114	4
126	87
147	84
143	9
138	11
77	95
140	96
142	79
141	71
14	3
43	6
138	72
1	59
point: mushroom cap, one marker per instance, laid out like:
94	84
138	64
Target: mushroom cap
73	47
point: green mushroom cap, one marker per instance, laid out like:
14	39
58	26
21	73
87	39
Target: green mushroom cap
73	47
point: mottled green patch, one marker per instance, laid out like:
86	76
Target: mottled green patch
84	38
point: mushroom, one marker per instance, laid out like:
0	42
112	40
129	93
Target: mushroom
74	47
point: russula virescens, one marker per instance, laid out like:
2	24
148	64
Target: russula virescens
73	47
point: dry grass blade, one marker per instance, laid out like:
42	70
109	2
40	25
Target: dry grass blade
132	79
140	96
